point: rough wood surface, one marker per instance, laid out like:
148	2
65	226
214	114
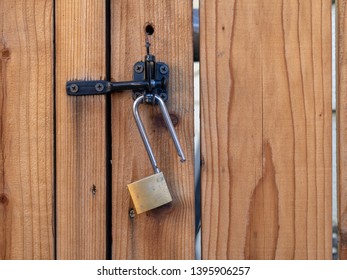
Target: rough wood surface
26	130
342	125
166	232
80	131
266	129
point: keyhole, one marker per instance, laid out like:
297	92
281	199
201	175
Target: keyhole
149	29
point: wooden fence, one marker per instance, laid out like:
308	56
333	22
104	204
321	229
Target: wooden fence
266	156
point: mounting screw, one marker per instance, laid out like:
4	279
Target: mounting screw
74	88
163	69
163	95
132	213
138	68
99	87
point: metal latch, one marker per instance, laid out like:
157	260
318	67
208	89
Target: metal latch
150	78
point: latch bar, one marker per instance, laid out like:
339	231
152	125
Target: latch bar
80	88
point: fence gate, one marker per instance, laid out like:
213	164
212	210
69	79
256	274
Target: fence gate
65	161
266	129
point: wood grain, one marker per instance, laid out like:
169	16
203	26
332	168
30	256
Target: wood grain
342	125
26	130
80	131
166	232
266	129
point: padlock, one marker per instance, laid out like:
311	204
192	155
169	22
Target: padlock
152	191
149	193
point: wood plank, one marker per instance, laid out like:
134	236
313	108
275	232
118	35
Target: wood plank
166	232
80	131
26	130
342	126
266	129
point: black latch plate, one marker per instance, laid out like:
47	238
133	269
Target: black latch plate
78	88
161	73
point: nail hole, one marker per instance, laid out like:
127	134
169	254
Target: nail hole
149	29
93	190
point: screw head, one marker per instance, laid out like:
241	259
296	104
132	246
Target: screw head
136	94
164	69
132	213
99	87
163	95
138	68
74	88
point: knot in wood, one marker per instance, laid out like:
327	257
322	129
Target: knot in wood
3	199
5	54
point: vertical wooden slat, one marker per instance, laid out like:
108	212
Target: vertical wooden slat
26	130
80	131
342	125
266	129
166	232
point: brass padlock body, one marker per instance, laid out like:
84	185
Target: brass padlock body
149	193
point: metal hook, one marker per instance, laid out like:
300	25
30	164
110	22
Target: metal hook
143	134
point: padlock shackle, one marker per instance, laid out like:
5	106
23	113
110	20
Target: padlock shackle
170	127
143	134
